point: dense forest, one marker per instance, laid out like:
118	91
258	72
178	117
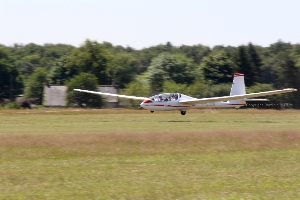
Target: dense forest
199	71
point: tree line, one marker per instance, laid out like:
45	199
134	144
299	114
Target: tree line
198	70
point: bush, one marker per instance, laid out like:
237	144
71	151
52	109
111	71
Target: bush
12	105
87	82
135	88
200	89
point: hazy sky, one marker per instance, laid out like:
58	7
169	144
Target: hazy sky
144	23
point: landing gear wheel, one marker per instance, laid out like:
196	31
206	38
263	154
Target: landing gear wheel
152	111
183	112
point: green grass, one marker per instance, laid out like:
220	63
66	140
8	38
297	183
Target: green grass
121	154
121	121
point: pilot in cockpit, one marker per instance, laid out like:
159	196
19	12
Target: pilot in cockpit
160	98
175	96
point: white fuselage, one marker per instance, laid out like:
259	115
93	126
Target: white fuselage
178	106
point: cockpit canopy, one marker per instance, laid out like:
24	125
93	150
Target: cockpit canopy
166	97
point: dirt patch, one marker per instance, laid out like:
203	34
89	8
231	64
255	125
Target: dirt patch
216	140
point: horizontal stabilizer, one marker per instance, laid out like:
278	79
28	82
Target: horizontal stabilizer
256	99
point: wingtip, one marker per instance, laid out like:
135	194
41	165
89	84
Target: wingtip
292	89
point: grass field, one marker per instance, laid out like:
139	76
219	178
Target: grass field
128	154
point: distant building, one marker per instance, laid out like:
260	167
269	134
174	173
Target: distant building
111	102
55	96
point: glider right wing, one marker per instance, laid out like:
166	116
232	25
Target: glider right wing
235	97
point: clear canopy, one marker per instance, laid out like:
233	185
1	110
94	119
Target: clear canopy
166	97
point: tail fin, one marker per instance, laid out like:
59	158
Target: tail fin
238	88
238	85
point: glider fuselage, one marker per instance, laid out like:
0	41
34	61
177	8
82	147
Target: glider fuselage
168	102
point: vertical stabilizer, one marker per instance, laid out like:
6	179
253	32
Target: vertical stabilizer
238	88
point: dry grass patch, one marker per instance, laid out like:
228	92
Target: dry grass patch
123	143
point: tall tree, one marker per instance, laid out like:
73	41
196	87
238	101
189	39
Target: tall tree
245	66
35	86
196	52
10	80
31	56
290	79
60	73
122	69
256	62
146	55
280	46
218	67
92	58
170	67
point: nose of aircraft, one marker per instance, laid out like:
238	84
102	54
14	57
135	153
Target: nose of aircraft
142	105
145	102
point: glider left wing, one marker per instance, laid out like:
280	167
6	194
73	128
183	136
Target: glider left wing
113	95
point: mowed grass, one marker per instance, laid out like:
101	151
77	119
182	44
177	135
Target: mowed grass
45	122
126	154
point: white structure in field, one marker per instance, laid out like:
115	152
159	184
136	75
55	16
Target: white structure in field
55	95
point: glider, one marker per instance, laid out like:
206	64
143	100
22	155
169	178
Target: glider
181	102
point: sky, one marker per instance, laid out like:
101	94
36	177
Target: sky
144	23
